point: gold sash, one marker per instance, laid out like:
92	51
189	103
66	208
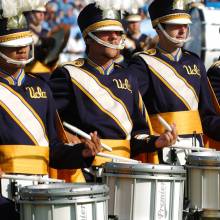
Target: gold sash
24	159
119	148
187	122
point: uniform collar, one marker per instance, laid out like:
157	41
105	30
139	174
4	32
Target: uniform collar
100	69
120	59
11	80
176	58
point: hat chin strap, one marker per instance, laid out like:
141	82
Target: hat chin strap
120	46
180	43
18	62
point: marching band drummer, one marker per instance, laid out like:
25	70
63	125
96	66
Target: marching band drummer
173	81
27	112
97	94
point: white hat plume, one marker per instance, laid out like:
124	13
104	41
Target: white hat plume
12	8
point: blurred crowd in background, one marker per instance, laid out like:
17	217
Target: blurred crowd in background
59	15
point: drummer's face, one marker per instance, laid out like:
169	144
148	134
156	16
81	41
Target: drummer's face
15	53
178	31
112	37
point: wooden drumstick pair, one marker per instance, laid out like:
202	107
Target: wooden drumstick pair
101	154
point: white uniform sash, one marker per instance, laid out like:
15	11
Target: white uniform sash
102	97
176	83
23	114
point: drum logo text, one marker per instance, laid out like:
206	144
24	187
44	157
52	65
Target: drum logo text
162	212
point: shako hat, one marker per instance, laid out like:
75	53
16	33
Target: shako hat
92	18
169	12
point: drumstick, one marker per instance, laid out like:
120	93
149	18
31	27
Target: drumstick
31	178
111	156
166	125
193	148
101	154
83	134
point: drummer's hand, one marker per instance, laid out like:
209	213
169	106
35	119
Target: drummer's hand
73	139
92	147
167	138
1	172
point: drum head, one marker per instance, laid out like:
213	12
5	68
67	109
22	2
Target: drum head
62	189
204	158
142	168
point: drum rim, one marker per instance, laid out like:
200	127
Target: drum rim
210	158
64	189
143	168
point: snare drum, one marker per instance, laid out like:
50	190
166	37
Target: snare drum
145	191
203	170
10	187
205	37
65	201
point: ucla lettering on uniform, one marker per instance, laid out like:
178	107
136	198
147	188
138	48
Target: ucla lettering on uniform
123	85
36	93
194	70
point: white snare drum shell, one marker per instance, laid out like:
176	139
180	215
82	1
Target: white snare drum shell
145	191
203	182
64	201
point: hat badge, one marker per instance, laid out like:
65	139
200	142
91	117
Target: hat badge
110	14
179	4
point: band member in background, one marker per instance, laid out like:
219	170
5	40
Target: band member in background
48	44
29	131
135	40
106	97
214	78
173	81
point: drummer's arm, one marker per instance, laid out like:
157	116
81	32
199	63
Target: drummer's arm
148	143
69	156
65	156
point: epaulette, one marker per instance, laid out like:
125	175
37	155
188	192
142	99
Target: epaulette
151	51
215	65
190	53
118	65
37	76
77	63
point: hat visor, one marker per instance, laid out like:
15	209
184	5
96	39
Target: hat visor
133	18
18	42
109	28
178	21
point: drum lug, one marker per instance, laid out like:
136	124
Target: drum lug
113	217
14	189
